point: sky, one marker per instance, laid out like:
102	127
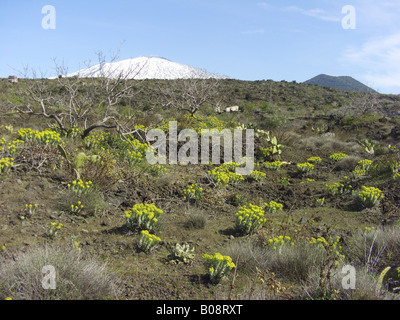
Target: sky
292	40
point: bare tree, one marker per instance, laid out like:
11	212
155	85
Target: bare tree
81	99
190	94
363	102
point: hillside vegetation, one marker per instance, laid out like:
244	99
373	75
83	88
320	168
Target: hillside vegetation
324	192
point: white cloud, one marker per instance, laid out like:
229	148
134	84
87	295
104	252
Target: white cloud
379	57
315	13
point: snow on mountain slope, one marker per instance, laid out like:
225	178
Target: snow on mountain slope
146	68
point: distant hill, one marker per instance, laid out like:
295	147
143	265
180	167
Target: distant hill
343	83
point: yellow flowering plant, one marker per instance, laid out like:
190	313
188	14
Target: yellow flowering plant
314	160
80	187
275	165
76	208
30	209
193	193
278	242
6	164
273	206
257	175
53	229
223	175
48	136
370	196
332	256
249	218
337	156
305	167
142	216
147	241
218	266
320	202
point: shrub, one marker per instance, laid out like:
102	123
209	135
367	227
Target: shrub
6	164
196	221
337	156
305	167
347	163
257	175
249	219
147	241
275	165
223	176
314	160
142	216
218	266
181	253
370	196
77	276
273	206
193	192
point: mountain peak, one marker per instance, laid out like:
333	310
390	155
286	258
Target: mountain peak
147	67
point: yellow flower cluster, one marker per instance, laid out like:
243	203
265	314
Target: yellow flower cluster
76	208
362	168
395	166
330	245
157	169
275	165
337	156
370	196
54	227
223	176
10	148
142	216
273	206
94	140
365	164
147	241
47	136
218	266
74	131
193	192
305	167
314	160
30	209
249	219
279	241
80	187
6	164
257	175
338	187
320	202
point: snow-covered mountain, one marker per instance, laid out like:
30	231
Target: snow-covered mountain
146	68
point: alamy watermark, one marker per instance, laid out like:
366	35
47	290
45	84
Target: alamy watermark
49	279
49	20
349	20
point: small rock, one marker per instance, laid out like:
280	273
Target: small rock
84	231
231	237
19	181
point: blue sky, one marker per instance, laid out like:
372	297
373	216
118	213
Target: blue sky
248	40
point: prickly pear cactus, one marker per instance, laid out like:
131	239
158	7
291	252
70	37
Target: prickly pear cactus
181	253
389	280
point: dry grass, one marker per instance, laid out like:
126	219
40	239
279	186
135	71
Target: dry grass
77	277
